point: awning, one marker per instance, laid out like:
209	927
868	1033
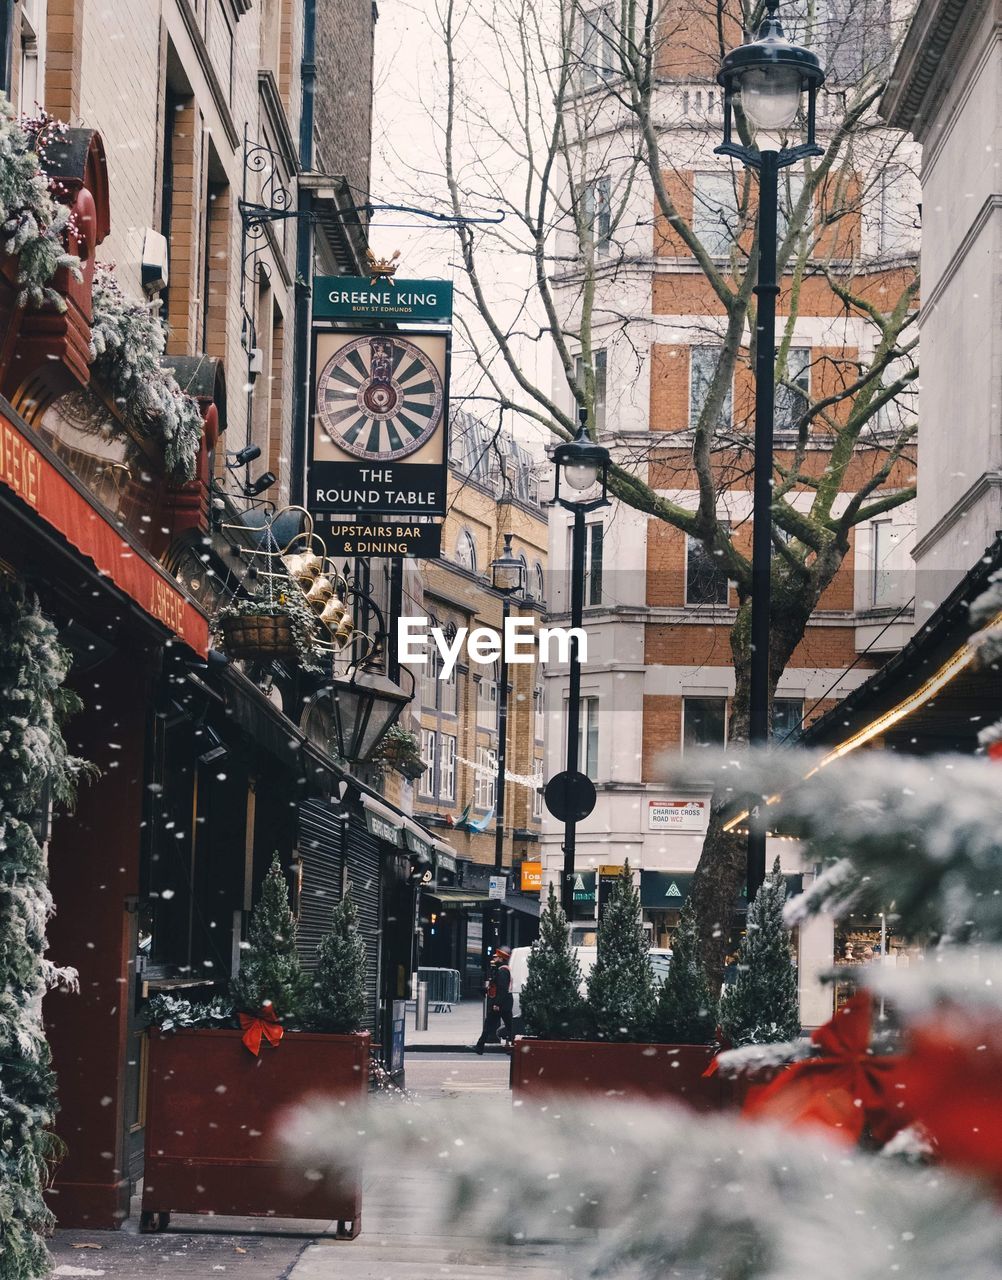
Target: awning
382	821
445	855
459	897
527	905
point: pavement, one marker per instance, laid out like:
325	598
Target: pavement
459	1029
399	1238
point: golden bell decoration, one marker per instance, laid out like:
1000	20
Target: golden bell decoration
320	592
333	612
342	634
304	566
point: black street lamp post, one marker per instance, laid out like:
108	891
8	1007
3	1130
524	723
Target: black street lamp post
581	465
508	579
765	79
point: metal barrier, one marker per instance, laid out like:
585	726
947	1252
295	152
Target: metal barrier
444	988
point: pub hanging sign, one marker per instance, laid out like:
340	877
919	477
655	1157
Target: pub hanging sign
378	437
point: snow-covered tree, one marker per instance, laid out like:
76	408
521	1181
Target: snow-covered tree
337	1001
686	1012
621	986
270	972
33	758
762	1006
552	1005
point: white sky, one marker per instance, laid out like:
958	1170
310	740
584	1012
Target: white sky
408	168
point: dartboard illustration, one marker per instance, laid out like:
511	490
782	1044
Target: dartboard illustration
379	397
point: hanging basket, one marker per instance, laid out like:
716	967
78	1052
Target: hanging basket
259	635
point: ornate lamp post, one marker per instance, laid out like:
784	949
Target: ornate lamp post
765	80
581	466
508	579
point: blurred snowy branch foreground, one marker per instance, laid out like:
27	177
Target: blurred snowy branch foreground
664	1192
918	838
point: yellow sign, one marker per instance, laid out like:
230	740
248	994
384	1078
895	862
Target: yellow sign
532	877
611	869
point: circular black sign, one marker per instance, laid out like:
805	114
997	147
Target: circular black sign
570	797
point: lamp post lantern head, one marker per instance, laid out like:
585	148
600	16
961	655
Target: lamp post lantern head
579	465
365	705
767	76
508	571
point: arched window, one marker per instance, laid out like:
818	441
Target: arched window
540	587
466	551
525	574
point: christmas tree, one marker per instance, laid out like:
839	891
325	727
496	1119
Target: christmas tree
33	757
552	1006
686	1012
621	986
270	973
337	1002
763	1004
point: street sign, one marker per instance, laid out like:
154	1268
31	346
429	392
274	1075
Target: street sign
389	538
570	797
685	814
378	438
357	298
497	888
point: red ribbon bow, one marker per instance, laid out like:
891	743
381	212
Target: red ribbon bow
844	1091
266	1026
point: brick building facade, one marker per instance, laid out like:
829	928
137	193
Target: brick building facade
658	608
494	489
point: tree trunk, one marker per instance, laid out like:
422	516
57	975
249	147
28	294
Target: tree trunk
721	874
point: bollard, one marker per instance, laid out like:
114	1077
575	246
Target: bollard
421	1008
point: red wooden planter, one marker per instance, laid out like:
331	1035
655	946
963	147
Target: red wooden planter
599	1069
211	1120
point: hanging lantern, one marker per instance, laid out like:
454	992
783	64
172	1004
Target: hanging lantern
304	566
320	592
333	612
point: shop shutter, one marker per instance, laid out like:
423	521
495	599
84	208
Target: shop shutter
365	874
319	846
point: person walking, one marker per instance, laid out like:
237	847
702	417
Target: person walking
500	1002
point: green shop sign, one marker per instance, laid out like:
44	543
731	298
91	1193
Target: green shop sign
357	298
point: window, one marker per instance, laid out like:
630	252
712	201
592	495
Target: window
538	714
791	188
714	212
884	538
898	413
430	680
704	722
894	213
594	541
787	717
466	551
487	771
426	783
599	364
597	45
792	402
537	791
588	738
447	693
447	767
596	221
706	579
29	88
540	587
487	698
703	365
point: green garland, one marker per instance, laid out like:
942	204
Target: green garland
33	757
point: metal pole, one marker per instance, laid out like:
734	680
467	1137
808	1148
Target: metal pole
766	291
502	760
574	697
304	261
